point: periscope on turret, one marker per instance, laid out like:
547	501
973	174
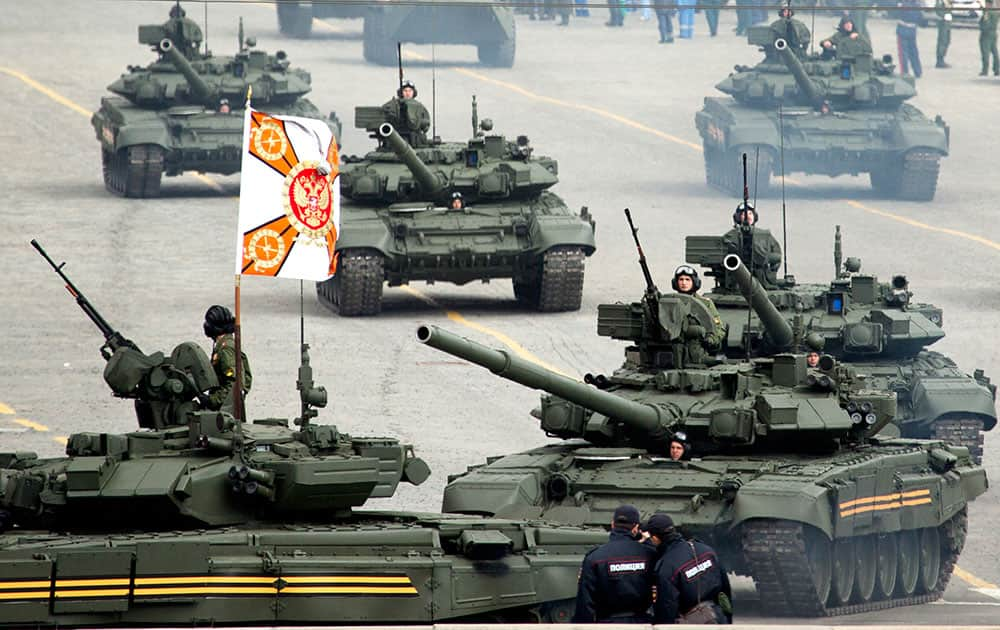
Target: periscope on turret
184	111
806	111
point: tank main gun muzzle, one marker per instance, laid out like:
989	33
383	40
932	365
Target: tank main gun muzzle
778	330
646	418
199	89
809	89
429	182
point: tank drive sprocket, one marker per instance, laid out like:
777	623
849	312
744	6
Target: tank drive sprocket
134	171
558	285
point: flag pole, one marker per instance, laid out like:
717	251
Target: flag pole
239	413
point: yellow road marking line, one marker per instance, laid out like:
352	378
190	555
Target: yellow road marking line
92	582
121	592
61	439
458	318
34	426
973	580
26	584
4	409
26	595
925	226
62	100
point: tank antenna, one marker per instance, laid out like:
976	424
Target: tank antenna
784	223
753	226
475	117
206	25
399	61
433	95
812	34
837	253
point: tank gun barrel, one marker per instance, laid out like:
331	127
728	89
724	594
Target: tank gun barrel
798	71
637	415
428	181
777	328
201	91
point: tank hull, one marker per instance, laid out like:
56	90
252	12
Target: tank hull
173	140
758	512
372	568
900	149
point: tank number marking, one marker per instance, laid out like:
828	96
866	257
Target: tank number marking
109	135
885	502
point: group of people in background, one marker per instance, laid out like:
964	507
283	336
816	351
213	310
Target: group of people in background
910	16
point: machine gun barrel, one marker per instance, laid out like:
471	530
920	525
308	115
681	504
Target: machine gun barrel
650	285
201	91
798	71
428	181
113	338
777	328
643	417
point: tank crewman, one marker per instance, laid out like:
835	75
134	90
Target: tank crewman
614	578
756	247
224	106
678	446
988	38
183	32
408	115
943	10
219	327
686	281
690	584
457	201
792	31
846	42
812	359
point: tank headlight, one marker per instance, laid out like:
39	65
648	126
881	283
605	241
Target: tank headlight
871	418
856	418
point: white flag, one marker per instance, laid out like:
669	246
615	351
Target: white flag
289	209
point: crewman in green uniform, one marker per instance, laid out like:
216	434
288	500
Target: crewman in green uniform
756	247
686	281
988	38
408	115
219	326
846	42
943	10
793	31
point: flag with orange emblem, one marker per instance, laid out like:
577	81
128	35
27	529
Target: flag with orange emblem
289	198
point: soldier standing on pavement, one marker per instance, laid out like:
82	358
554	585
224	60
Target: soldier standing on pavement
219	326
988	38
614	578
664	20
688	579
943	10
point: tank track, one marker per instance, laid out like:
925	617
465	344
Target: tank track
560	286
775	552
967	432
356	289
919	175
134	171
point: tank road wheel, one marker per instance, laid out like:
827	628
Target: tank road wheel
819	552
844	564
919	175
558	286
135	171
357	287
378	47
111	170
909	562
866	567
967	432
930	559
714	167
888	565
295	19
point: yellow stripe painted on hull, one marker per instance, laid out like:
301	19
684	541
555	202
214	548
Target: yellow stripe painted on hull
25	595
28	584
103	592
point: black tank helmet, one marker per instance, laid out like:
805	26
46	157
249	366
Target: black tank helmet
219	320
691	272
745	207
406	83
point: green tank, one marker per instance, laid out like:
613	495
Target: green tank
837	116
201	519
876	326
787	474
184	111
487	26
400	227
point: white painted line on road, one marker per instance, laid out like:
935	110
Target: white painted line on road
990	592
944	602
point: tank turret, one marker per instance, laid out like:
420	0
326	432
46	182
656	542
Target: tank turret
199	89
719	408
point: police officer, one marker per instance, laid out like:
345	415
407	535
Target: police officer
219	327
943	10
688	578
409	115
614	579
988	38
686	281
